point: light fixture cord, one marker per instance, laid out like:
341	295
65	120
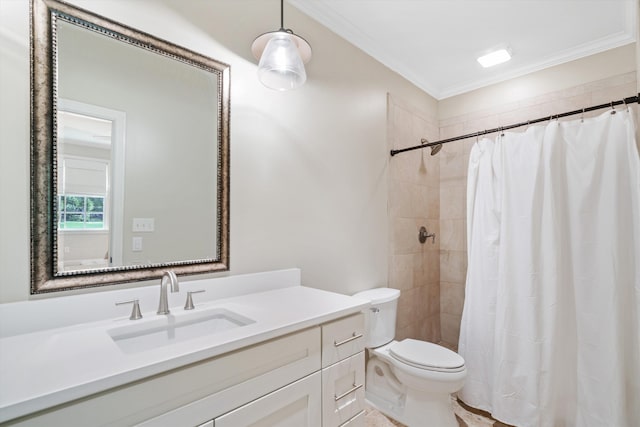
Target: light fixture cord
282	15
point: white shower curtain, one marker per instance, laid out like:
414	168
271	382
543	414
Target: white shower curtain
551	323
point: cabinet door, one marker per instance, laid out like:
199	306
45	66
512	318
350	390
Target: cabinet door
343	391
296	405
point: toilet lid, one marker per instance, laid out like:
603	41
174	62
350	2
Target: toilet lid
426	355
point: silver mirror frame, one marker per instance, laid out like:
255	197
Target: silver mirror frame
44	277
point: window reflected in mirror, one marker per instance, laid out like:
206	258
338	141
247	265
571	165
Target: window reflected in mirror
85	194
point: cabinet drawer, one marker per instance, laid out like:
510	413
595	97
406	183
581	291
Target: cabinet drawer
343	391
342	338
296	405
357	421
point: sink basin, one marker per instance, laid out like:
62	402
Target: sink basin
167	330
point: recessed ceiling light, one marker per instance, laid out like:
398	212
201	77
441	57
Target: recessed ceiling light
494	58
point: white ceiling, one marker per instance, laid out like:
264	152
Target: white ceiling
435	43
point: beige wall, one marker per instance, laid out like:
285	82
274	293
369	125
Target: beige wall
548	99
414	202
526	89
308	167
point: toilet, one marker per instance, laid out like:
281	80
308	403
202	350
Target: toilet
409	380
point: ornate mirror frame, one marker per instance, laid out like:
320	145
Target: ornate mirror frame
44	277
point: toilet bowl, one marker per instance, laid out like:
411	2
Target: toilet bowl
409	380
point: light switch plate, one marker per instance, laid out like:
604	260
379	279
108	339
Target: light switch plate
137	244
143	225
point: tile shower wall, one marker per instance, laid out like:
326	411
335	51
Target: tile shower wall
453	177
414	201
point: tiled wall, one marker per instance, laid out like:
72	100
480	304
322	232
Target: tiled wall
453	176
414	201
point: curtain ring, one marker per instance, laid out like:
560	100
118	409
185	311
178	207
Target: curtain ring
626	106
582	116
613	110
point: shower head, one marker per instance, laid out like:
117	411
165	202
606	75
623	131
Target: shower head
434	148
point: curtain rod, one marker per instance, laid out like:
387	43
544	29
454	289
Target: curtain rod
629	100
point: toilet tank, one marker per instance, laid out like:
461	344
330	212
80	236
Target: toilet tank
380	317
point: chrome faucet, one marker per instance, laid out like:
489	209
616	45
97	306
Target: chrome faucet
168	276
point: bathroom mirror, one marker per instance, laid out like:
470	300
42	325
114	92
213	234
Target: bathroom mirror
129	154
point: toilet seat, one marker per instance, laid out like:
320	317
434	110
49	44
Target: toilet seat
427	356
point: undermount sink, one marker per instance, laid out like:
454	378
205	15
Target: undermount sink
170	329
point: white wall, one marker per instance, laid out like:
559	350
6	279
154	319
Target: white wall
308	167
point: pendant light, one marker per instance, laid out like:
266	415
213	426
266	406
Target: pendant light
282	55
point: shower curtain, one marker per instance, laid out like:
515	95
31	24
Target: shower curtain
551	323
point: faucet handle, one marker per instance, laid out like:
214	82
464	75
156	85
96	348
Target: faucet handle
189	304
135	311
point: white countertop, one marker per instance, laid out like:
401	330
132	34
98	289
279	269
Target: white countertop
45	368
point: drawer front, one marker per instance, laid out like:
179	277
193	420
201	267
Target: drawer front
343	391
357	421
296	405
342	338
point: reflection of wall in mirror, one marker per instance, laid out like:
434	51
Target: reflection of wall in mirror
171	136
83	251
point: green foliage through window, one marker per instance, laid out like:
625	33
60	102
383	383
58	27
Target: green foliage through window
76	212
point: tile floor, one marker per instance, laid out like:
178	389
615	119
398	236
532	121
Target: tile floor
465	416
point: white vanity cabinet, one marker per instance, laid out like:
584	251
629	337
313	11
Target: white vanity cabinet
307	371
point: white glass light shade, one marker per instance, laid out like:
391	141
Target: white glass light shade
281	66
